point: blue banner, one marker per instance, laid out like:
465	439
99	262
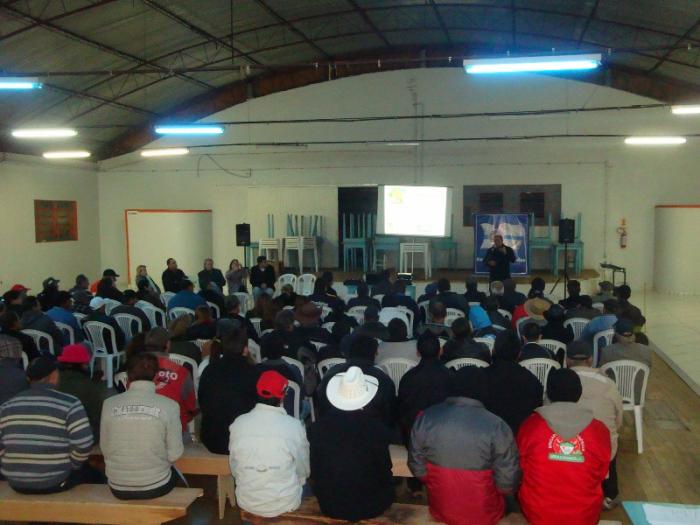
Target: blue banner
514	228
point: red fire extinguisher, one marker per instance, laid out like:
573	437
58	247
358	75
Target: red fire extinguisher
622	231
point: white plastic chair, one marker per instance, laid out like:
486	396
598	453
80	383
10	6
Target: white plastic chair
296	412
256	322
305	284
488	341
358	312
409	314
202	366
424	305
79	317
42	340
452	315
601	340
126	323
624	372
25	360
599	306
456	364
296	363
318	344
68	332
215	310
520	324
95	331
165	297
176	312
553	346
200	343
254	350
155	315
577	324
328	326
505	313
110	304
391	312
244	300
268	331
540	368
325	365
186	362
378	297
396	367
121	379
474	303
286	278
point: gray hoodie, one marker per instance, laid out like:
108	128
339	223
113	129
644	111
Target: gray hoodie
566	419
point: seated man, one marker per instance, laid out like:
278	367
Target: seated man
574	298
555	329
293	339
82	285
129	307
269	453
204	326
372	327
33	318
583	309
180	344
61	313
437	311
627	310
272	350
141	435
602	322
12	377
45	436
308	315
449	298
233	311
287	297
322	295
605	292
491	306
466	477
186	298
350	461
564	456
462	345
147	296
98	306
511	298
532	333
473	295
107	289
262	278
398	297
11	326
363	298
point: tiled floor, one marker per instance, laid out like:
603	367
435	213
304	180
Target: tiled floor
673	325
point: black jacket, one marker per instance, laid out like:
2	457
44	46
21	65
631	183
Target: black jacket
212	297
514	392
351	465
312	333
534	351
452	300
245	322
572	302
509	300
258	277
172	281
226	390
558	332
501	271
461	348
133	310
211	276
284	299
109	292
364	301
199	330
424	385
373	329
474	296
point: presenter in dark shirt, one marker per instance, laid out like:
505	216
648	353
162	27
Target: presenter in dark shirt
499	258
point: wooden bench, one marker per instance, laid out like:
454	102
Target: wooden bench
309	513
93	504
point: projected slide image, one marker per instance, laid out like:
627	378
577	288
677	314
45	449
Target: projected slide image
415	210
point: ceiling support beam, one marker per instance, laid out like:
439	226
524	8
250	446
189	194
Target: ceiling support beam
441	21
368	21
588	21
677	43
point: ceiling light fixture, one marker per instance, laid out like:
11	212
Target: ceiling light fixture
655	141
165	152
532	64
189	130
686	110
414	144
45	133
19	83
79	154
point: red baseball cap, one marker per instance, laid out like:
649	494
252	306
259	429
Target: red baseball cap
272	384
20	288
77	354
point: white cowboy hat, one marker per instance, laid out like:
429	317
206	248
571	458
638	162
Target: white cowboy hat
351	390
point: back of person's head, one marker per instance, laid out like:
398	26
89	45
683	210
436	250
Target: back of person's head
623	292
105	284
362	289
586	301
142	285
189	285
538	284
491	303
9	321
554	314
130	297
611	306
398	332
605	287
272	345
63	299
203	313
371	314
399	287
284	320
340	329
363	347
471	382
142	367
82	280
11	296
461	329
574	288
320	286
157	339
438	311
496	288
232	304
428	345
287	289
531	332
328	277
261	258
564	385
507	346
234	343
471	283
178	326
443	285
508	285
136	345
31	303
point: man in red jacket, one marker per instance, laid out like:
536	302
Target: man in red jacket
564	457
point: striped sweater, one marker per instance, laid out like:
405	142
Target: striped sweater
44	434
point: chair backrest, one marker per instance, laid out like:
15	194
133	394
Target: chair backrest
42	340
556	347
505	313
165	297
121	380
176	312
624	372
409	314
127	322
378	297
488	341
306	283
296	363
200	343
244	301
25	360
423	306
254	349
599	306
287	278
155	315
577	324
188	363
79	316
200	369
396	367
452	314
67	331
358	312
520	324
95	332
456	364
318	344
110	304
325	365
267	331
388	313
328	326
601	340
540	368
296	396
256	322
215	310
474	303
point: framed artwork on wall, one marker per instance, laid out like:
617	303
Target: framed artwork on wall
55	221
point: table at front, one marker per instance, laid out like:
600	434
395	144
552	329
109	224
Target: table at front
413	248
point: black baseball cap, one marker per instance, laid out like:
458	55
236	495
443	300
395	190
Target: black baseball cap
40	367
109	273
624	327
579	350
51	281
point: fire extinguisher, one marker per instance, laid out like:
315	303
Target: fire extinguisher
622	231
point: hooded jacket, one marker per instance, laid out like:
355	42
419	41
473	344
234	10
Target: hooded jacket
601	396
564	457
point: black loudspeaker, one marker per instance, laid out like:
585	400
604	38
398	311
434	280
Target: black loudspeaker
567	231
243	234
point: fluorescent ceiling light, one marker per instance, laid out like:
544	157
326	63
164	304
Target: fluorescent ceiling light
414	144
654	141
46	133
189	130
532	64
166	152
19	83
685	110
66	154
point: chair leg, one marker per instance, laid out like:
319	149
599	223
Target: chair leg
638	428
109	371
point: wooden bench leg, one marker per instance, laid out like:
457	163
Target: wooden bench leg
225	488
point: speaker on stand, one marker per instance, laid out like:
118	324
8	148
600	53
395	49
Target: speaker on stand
243	239
567	235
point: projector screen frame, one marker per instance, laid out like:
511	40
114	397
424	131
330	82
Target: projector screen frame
447	219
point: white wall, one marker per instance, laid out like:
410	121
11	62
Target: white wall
24	179
601	178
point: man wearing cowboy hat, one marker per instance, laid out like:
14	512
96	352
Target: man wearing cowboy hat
350	461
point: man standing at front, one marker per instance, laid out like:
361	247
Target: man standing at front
499	258
269	453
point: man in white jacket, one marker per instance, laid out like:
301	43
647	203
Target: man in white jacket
269	453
